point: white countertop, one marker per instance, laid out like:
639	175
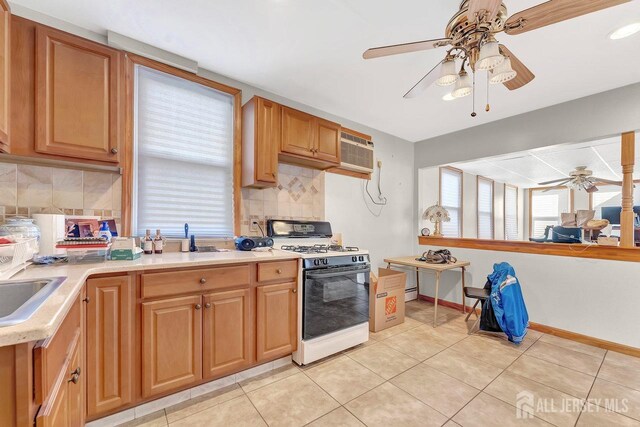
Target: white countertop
48	316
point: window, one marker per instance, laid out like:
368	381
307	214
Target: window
485	208
451	200
510	212
546	207
606	196
183	156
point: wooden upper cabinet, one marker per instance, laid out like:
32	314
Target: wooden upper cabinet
261	120
298	132
109	326
228	332
5	73
276	314
77	86
171	344
308	140
328	141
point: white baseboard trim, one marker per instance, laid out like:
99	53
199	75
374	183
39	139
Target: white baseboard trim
184	395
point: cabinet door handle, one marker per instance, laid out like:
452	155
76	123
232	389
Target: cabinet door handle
198	306
87	300
294	290
114	151
279	271
203	280
75	376
207	305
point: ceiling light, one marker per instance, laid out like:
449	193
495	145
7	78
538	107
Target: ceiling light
502	73
448	75
463	85
489	55
448	97
626	31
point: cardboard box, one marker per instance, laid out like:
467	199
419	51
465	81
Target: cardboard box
386	299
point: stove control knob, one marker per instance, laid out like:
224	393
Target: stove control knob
325	261
316	262
354	258
360	258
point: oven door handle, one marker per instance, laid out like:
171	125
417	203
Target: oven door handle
336	274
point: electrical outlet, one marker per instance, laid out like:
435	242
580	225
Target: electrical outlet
379	164
253	226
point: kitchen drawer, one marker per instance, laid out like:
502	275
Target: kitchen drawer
281	270
63	404
187	281
50	355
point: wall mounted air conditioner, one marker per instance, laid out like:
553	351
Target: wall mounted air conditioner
356	153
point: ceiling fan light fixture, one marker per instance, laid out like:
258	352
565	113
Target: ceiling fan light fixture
448	97
502	73
490	56
463	85
448	75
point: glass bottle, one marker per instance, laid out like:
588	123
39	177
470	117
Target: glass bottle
158	243
147	245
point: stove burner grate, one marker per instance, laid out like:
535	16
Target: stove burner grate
318	248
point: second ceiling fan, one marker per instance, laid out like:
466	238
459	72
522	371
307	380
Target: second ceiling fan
470	38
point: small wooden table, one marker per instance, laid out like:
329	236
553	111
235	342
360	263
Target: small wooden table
410	261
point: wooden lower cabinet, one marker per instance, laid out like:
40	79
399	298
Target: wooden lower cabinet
227	332
171	344
109	306
64	405
276	314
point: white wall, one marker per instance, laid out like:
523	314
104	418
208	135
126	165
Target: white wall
385	231
593	297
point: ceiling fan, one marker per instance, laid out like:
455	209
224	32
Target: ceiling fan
470	38
580	179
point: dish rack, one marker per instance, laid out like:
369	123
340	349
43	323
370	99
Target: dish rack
15	256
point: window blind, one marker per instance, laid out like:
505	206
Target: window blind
546	208
485	208
183	164
451	195
510	212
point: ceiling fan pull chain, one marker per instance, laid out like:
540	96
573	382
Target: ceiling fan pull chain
473	97
488	107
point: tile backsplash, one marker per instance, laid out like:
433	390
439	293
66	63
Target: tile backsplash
299	195
28	189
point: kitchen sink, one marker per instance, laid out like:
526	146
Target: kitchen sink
19	299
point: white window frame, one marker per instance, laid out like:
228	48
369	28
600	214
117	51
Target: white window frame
480	213
506	221
233	93
459	210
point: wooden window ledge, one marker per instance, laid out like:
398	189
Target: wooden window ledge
577	250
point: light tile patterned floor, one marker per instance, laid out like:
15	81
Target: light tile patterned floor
414	374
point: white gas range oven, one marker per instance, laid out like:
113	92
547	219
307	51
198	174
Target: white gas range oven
333	304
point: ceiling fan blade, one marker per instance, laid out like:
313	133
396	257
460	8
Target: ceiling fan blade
592	189
424	82
554	11
377	52
554	181
602	181
556	186
524	75
489	7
